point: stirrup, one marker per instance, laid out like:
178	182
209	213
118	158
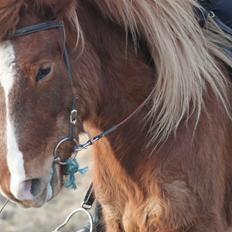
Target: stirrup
70	217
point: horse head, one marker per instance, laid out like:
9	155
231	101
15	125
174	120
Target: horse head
36	99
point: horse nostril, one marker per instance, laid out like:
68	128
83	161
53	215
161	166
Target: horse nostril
28	190
36	185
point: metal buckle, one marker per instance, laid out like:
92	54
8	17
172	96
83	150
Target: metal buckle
73	117
86	206
212	14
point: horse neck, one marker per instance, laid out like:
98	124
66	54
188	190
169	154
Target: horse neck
120	81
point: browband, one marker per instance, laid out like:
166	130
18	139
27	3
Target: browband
44	27
37	28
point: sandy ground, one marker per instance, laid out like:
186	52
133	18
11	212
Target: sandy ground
47	218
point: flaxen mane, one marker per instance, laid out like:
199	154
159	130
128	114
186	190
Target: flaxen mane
186	56
9	16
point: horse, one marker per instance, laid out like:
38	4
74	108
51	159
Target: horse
146	63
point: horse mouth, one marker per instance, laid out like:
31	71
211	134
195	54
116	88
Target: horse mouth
50	190
53	187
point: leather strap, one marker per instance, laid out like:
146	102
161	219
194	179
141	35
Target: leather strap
89	198
50	25
37	28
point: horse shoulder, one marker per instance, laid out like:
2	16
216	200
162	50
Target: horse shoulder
128	204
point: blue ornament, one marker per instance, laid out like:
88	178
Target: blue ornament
71	168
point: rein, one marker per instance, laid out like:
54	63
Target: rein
4	206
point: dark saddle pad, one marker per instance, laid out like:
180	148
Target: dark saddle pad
221	11
221	8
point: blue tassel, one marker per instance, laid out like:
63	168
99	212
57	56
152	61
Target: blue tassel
71	168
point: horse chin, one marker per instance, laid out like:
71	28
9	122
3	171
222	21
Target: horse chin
53	187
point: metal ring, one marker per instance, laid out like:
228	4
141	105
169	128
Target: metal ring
59	144
212	14
72	214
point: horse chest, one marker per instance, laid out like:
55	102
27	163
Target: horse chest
124	204
131	206
110	179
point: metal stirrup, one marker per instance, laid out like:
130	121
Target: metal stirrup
70	217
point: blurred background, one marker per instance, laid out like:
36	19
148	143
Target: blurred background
47	218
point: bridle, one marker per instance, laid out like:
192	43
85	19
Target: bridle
74	112
89	198
50	25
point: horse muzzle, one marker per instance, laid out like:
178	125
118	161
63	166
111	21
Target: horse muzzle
36	192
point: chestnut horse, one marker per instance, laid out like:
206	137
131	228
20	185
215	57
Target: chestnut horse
168	168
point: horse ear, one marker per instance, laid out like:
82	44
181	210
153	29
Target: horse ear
9	16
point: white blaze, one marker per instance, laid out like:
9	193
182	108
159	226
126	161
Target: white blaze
14	156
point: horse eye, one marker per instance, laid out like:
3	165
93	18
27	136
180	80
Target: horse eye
43	72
